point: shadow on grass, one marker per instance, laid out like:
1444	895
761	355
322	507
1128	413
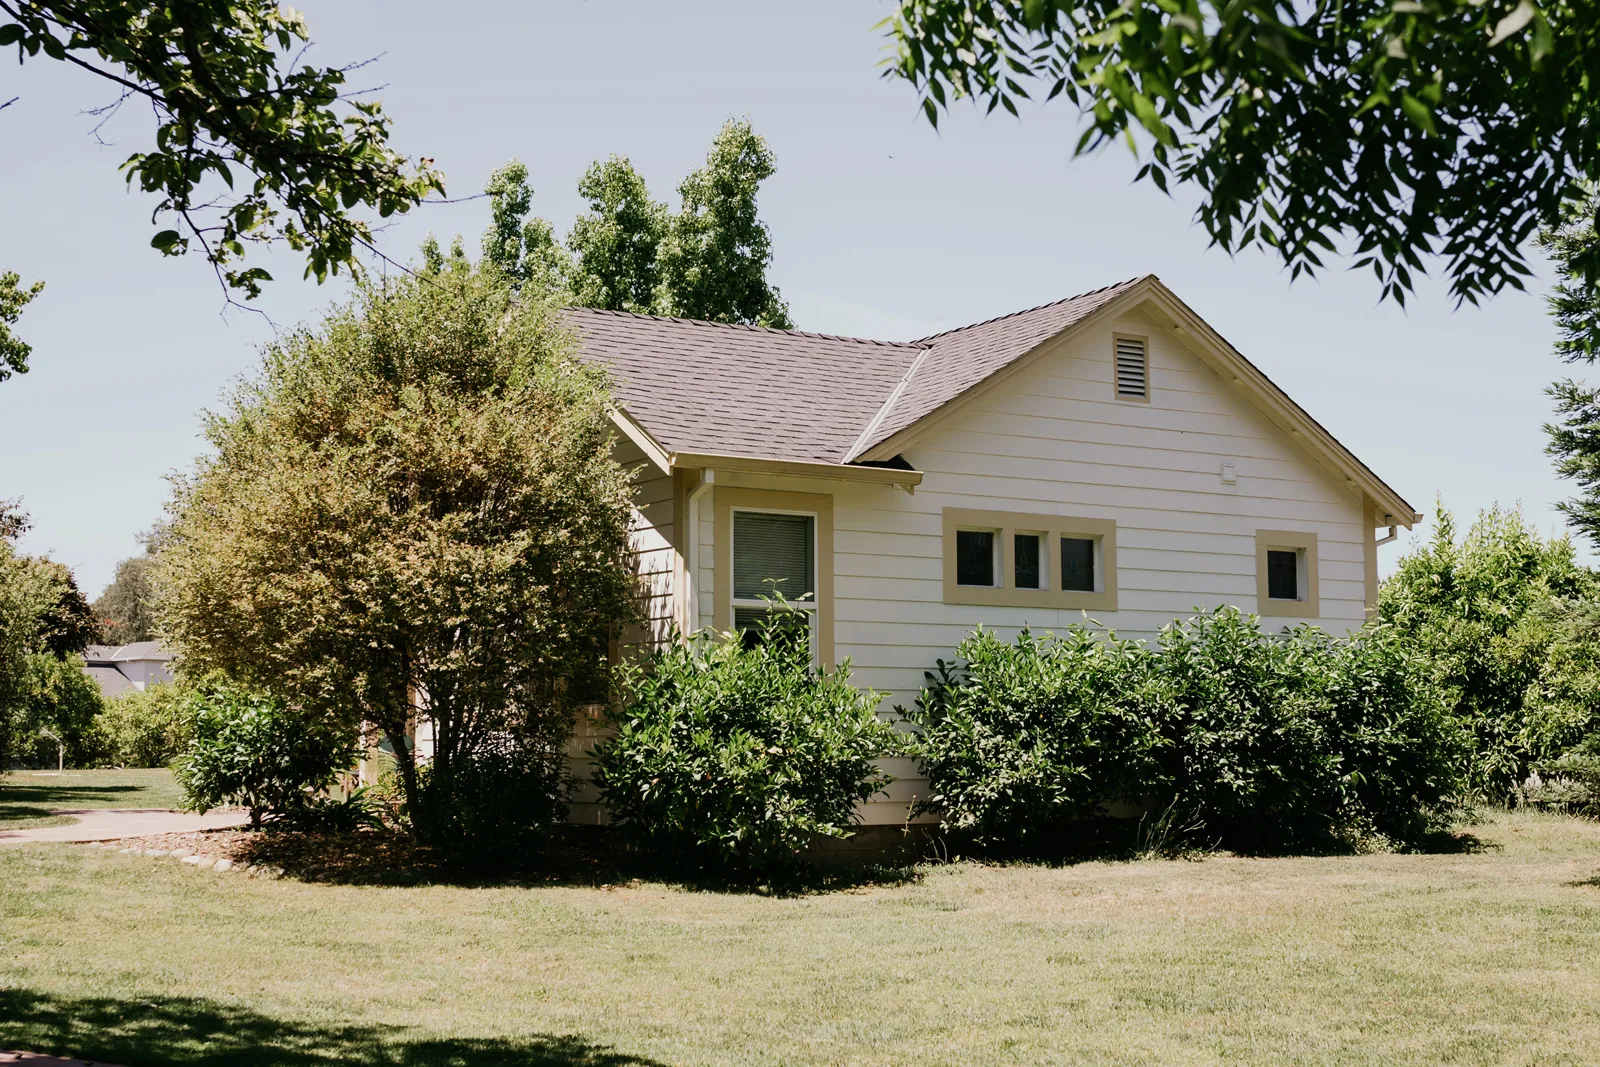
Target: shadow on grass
576	856
33	801
186	1030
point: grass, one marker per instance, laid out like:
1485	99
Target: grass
27	797
1484	956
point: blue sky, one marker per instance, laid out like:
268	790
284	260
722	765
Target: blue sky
882	227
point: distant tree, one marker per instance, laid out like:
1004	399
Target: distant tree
411	519
714	260
1401	129
127	607
709	260
1575	305
616	244
14	296
251	145
67	624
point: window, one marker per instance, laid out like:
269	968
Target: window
1283	574
1077	564
766	542
1286	574
1027	571
774	556
1008	559
1132	367
975	558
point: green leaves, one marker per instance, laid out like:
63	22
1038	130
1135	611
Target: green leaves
1399	131
14	297
230	97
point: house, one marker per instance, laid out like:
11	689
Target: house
1109	454
123	668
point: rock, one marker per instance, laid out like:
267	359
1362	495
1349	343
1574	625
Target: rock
156	852
202	862
223	865
180	853
125	851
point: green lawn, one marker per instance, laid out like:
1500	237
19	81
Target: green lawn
1487	956
27	797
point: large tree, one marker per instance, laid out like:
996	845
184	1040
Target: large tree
1575	306
411	519
126	608
1393	130
627	252
251	144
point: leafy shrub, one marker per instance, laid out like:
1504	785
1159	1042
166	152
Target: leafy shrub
144	728
1039	733
1570	783
356	810
1259	741
250	749
500	802
56	717
1505	617
742	755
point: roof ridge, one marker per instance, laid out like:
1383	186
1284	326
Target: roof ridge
1037	307
747	326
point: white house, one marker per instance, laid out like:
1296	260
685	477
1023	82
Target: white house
1109	454
121	668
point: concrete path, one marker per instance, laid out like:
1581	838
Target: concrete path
37	1060
108	824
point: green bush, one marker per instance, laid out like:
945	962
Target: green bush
1035	735
1258	741
144	728
251	750
741	755
501	802
56	717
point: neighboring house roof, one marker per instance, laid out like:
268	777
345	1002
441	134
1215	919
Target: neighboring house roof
111	681
138	650
704	390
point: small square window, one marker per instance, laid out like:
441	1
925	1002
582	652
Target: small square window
1025	555
1283	574
1077	564
975	557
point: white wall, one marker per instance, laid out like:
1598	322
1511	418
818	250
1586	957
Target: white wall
1054	440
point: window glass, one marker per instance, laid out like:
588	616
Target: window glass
1283	575
755	625
1025	551
975	557
1077	564
773	554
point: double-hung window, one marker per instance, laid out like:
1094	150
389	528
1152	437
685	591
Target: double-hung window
774	573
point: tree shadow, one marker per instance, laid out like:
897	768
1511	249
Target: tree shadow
205	1033
573	856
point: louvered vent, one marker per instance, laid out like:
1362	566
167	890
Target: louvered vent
1133	369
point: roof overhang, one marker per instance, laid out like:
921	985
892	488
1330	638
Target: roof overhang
667	461
1214	350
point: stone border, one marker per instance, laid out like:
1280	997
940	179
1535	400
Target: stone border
190	858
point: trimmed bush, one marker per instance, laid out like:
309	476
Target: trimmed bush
1261	742
144	728
741	756
1034	735
251	750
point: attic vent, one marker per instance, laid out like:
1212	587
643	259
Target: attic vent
1133	368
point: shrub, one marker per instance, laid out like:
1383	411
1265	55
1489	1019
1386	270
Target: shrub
250	749
501	803
1259	741
144	728
741	755
1032	735
56	717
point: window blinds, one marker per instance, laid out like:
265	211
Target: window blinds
773	554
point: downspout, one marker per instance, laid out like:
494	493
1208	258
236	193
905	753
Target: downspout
1394	532
691	562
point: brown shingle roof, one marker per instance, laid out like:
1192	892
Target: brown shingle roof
743	390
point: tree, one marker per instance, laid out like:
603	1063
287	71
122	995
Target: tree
411	519
251	145
1575	305
715	258
708	261
14	351
1442	127
126	609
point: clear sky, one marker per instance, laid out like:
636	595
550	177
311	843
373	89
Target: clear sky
882	227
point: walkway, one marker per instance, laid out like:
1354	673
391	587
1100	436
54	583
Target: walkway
108	824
